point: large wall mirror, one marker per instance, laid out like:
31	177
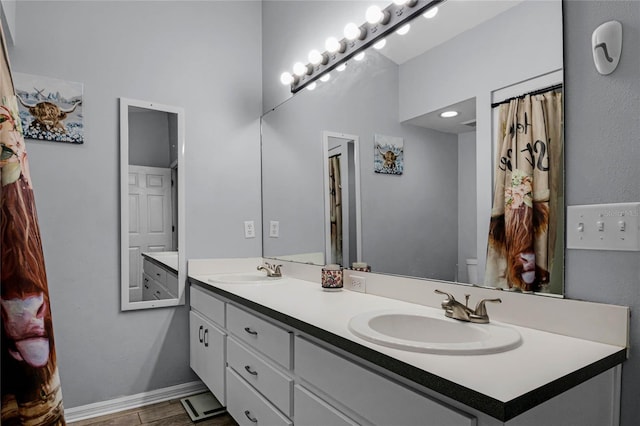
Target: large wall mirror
153	268
430	217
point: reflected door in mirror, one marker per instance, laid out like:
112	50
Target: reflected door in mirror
150	220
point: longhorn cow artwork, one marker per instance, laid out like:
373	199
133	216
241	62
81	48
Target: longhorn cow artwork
388	155
50	109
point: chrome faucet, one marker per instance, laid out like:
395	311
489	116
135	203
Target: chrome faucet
456	310
271	270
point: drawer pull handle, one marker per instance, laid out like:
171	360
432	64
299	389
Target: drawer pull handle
250	331
250	371
248	414
200	334
206	338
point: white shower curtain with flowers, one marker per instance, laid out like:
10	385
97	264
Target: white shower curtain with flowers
528	183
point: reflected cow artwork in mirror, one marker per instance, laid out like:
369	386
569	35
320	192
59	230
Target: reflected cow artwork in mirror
433	220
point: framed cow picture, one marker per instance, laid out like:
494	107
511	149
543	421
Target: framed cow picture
388	156
50	109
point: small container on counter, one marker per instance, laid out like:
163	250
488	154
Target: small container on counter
332	278
360	266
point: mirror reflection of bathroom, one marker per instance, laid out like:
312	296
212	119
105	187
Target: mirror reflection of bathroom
153	207
153	266
459	122
342	199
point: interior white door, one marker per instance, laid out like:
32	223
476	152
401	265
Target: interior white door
150	219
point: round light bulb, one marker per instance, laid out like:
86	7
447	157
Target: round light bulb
404	29
286	78
332	44
359	56
312	86
325	78
431	12
379	45
373	14
448	114
351	31
299	69
315	57
341	67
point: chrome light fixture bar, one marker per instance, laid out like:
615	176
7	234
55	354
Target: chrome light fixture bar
394	17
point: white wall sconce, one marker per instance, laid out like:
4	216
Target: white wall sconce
379	24
606	44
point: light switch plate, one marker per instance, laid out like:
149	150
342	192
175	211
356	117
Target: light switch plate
604	227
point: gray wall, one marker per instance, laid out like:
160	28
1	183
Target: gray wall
467	210
602	119
174	53
8	15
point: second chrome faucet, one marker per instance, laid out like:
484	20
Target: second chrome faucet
456	310
271	270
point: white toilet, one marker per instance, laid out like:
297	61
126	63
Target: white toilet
472	271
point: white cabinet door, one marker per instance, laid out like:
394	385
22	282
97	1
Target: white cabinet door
207	354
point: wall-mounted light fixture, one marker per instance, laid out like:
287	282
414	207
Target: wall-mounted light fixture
379	24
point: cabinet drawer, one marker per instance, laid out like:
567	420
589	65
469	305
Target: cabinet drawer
312	411
248	407
273	384
207	305
154	271
269	339
386	402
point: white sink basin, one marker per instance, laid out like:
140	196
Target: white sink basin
421	332
243	278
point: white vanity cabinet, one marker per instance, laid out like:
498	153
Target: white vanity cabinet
249	370
272	369
370	395
158	282
207	341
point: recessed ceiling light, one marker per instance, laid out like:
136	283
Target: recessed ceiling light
448	114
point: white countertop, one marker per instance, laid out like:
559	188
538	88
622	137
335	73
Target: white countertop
541	358
168	258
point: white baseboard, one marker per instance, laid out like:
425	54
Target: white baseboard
132	401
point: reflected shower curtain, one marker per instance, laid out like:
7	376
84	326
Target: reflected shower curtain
335	209
31	393
528	181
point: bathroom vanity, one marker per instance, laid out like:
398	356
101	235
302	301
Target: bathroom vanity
280	353
160	275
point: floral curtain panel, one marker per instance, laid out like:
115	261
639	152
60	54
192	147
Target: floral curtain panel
31	393
528	183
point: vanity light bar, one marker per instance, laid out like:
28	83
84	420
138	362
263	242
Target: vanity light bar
396	16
